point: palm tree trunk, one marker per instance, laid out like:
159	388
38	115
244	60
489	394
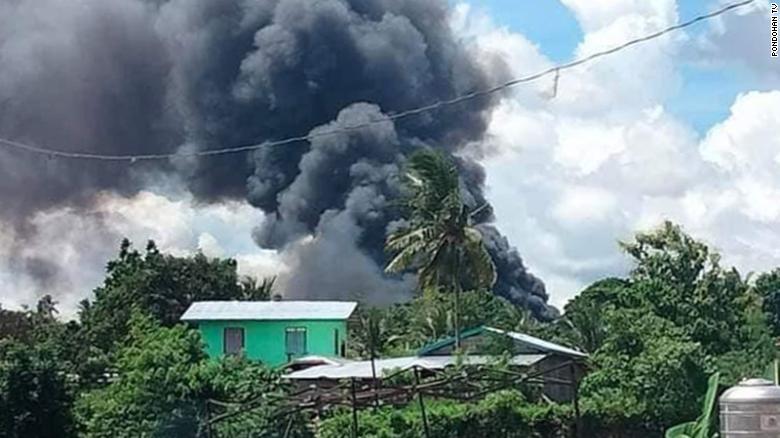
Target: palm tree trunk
457	315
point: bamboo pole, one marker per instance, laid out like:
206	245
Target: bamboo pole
422	403
354	411
576	401
373	325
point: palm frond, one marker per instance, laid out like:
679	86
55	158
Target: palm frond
407	237
479	264
405	259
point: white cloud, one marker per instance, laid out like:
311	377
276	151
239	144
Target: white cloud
744	149
747	142
629	81
582	205
741	37
81	243
597	14
571	176
585	145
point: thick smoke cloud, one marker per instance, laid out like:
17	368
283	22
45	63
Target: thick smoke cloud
133	76
77	75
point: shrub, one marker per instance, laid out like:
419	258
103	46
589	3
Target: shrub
505	414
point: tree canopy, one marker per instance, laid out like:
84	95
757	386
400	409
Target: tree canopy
165	382
657	335
162	286
35	395
438	240
128	368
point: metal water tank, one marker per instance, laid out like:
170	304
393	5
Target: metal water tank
751	410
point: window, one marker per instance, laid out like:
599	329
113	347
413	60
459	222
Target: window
233	340
295	341
336	342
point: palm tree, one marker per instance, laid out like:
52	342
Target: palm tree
252	290
439	241
47	307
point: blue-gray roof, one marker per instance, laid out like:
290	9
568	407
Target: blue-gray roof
268	310
540	344
527	342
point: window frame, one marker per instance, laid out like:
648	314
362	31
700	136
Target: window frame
225	340
296	329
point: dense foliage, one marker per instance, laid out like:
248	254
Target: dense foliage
160	285
164	382
403	329
35	396
126	368
768	287
657	335
504	414
654	336
705	425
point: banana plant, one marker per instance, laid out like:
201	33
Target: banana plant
704	426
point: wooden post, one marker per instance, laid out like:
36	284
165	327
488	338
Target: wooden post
422	403
576	400
457	315
354	411
373	325
289	427
208	420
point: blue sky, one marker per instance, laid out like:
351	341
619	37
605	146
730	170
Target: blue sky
548	23
706	93
679	130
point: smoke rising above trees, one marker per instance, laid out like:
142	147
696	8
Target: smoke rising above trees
133	76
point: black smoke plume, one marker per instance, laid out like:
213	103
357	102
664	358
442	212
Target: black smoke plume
134	76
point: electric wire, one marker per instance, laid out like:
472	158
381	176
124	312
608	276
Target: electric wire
556	70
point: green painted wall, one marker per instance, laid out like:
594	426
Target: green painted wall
265	340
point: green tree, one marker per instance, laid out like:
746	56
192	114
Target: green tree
377	332
681	279
46	307
153	393
160	285
657	334
439	241
647	373
40	328
252	290
582	323
402	329
505	414
164	383
35	396
705	425
15	324
768	287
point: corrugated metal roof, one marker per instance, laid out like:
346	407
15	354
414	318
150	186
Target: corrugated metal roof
360	370
384	367
532	343
539	343
319	360
268	310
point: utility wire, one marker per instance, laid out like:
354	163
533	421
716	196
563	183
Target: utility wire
390	117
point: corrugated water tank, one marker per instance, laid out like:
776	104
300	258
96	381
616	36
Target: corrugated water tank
751	410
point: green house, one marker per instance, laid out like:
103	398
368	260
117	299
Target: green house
274	332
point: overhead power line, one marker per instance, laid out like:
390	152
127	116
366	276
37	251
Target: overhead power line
556	70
